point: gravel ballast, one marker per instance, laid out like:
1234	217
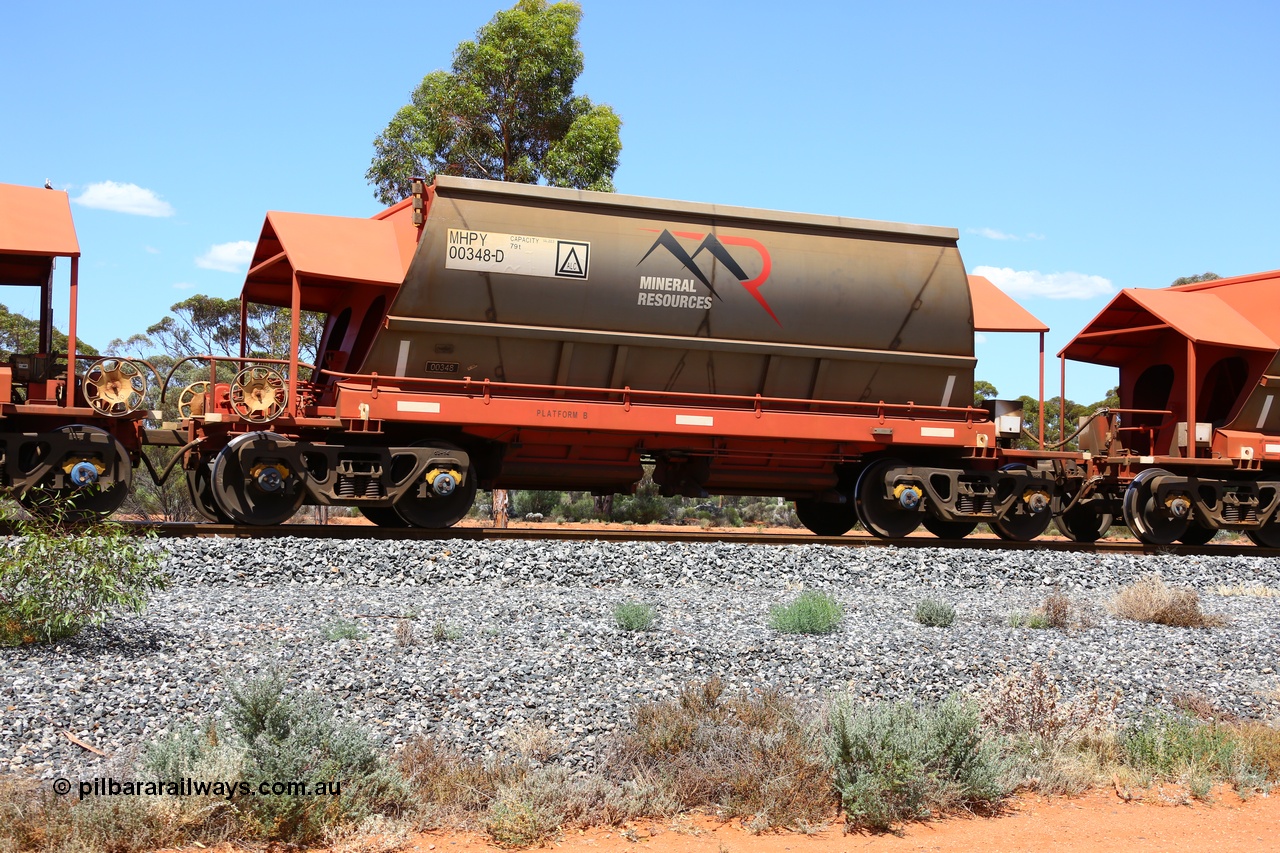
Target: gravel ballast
514	638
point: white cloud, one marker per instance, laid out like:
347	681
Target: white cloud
151	250
124	198
994	234
227	257
182	285
978	337
1055	285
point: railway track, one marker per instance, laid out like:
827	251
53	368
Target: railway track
182	530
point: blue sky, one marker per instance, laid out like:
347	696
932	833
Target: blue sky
1079	148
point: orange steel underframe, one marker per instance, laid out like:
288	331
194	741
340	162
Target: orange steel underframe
500	409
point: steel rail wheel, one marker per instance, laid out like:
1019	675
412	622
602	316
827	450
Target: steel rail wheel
1084	523
1267	536
1197	534
1021	523
1151	523
436	511
248	485
84	499
826	519
200	486
384	516
886	517
948	529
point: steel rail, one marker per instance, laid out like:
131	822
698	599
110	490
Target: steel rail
554	532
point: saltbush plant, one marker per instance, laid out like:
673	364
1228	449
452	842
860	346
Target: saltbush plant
935	614
342	629
896	762
811	612
62	573
634	616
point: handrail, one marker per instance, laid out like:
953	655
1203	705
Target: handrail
213	362
489	388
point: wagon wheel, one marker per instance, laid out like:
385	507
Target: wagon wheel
114	387
1267	536
192	399
826	519
1021	523
384	516
948	529
200	485
250	484
1085	522
83	498
1150	522
1197	534
883	516
259	394
435	511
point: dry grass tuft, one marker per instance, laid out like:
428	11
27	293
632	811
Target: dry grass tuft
1150	599
745	756
1253	591
1200	707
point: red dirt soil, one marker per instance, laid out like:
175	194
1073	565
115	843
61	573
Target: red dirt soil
1097	822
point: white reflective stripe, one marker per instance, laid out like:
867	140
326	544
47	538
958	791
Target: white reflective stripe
951	386
416	406
1273	448
1146	460
1266	410
937	432
402	360
695	420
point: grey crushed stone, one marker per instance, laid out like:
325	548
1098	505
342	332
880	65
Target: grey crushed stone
537	652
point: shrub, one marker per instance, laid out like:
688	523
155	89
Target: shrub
634	616
289	737
894	762
1150	599
442	632
741	755
1034	619
342	629
1178	748
61	574
811	612
935	614
1058	611
540	502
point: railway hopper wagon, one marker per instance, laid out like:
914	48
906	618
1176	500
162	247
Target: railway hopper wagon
71	424
1195	446
513	336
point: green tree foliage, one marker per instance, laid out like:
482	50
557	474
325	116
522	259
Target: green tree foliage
19	333
57	577
207	325
1195	279
983	390
506	111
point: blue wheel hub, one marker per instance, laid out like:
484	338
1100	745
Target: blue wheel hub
83	474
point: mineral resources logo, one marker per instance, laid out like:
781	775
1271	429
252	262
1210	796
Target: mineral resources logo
667	292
